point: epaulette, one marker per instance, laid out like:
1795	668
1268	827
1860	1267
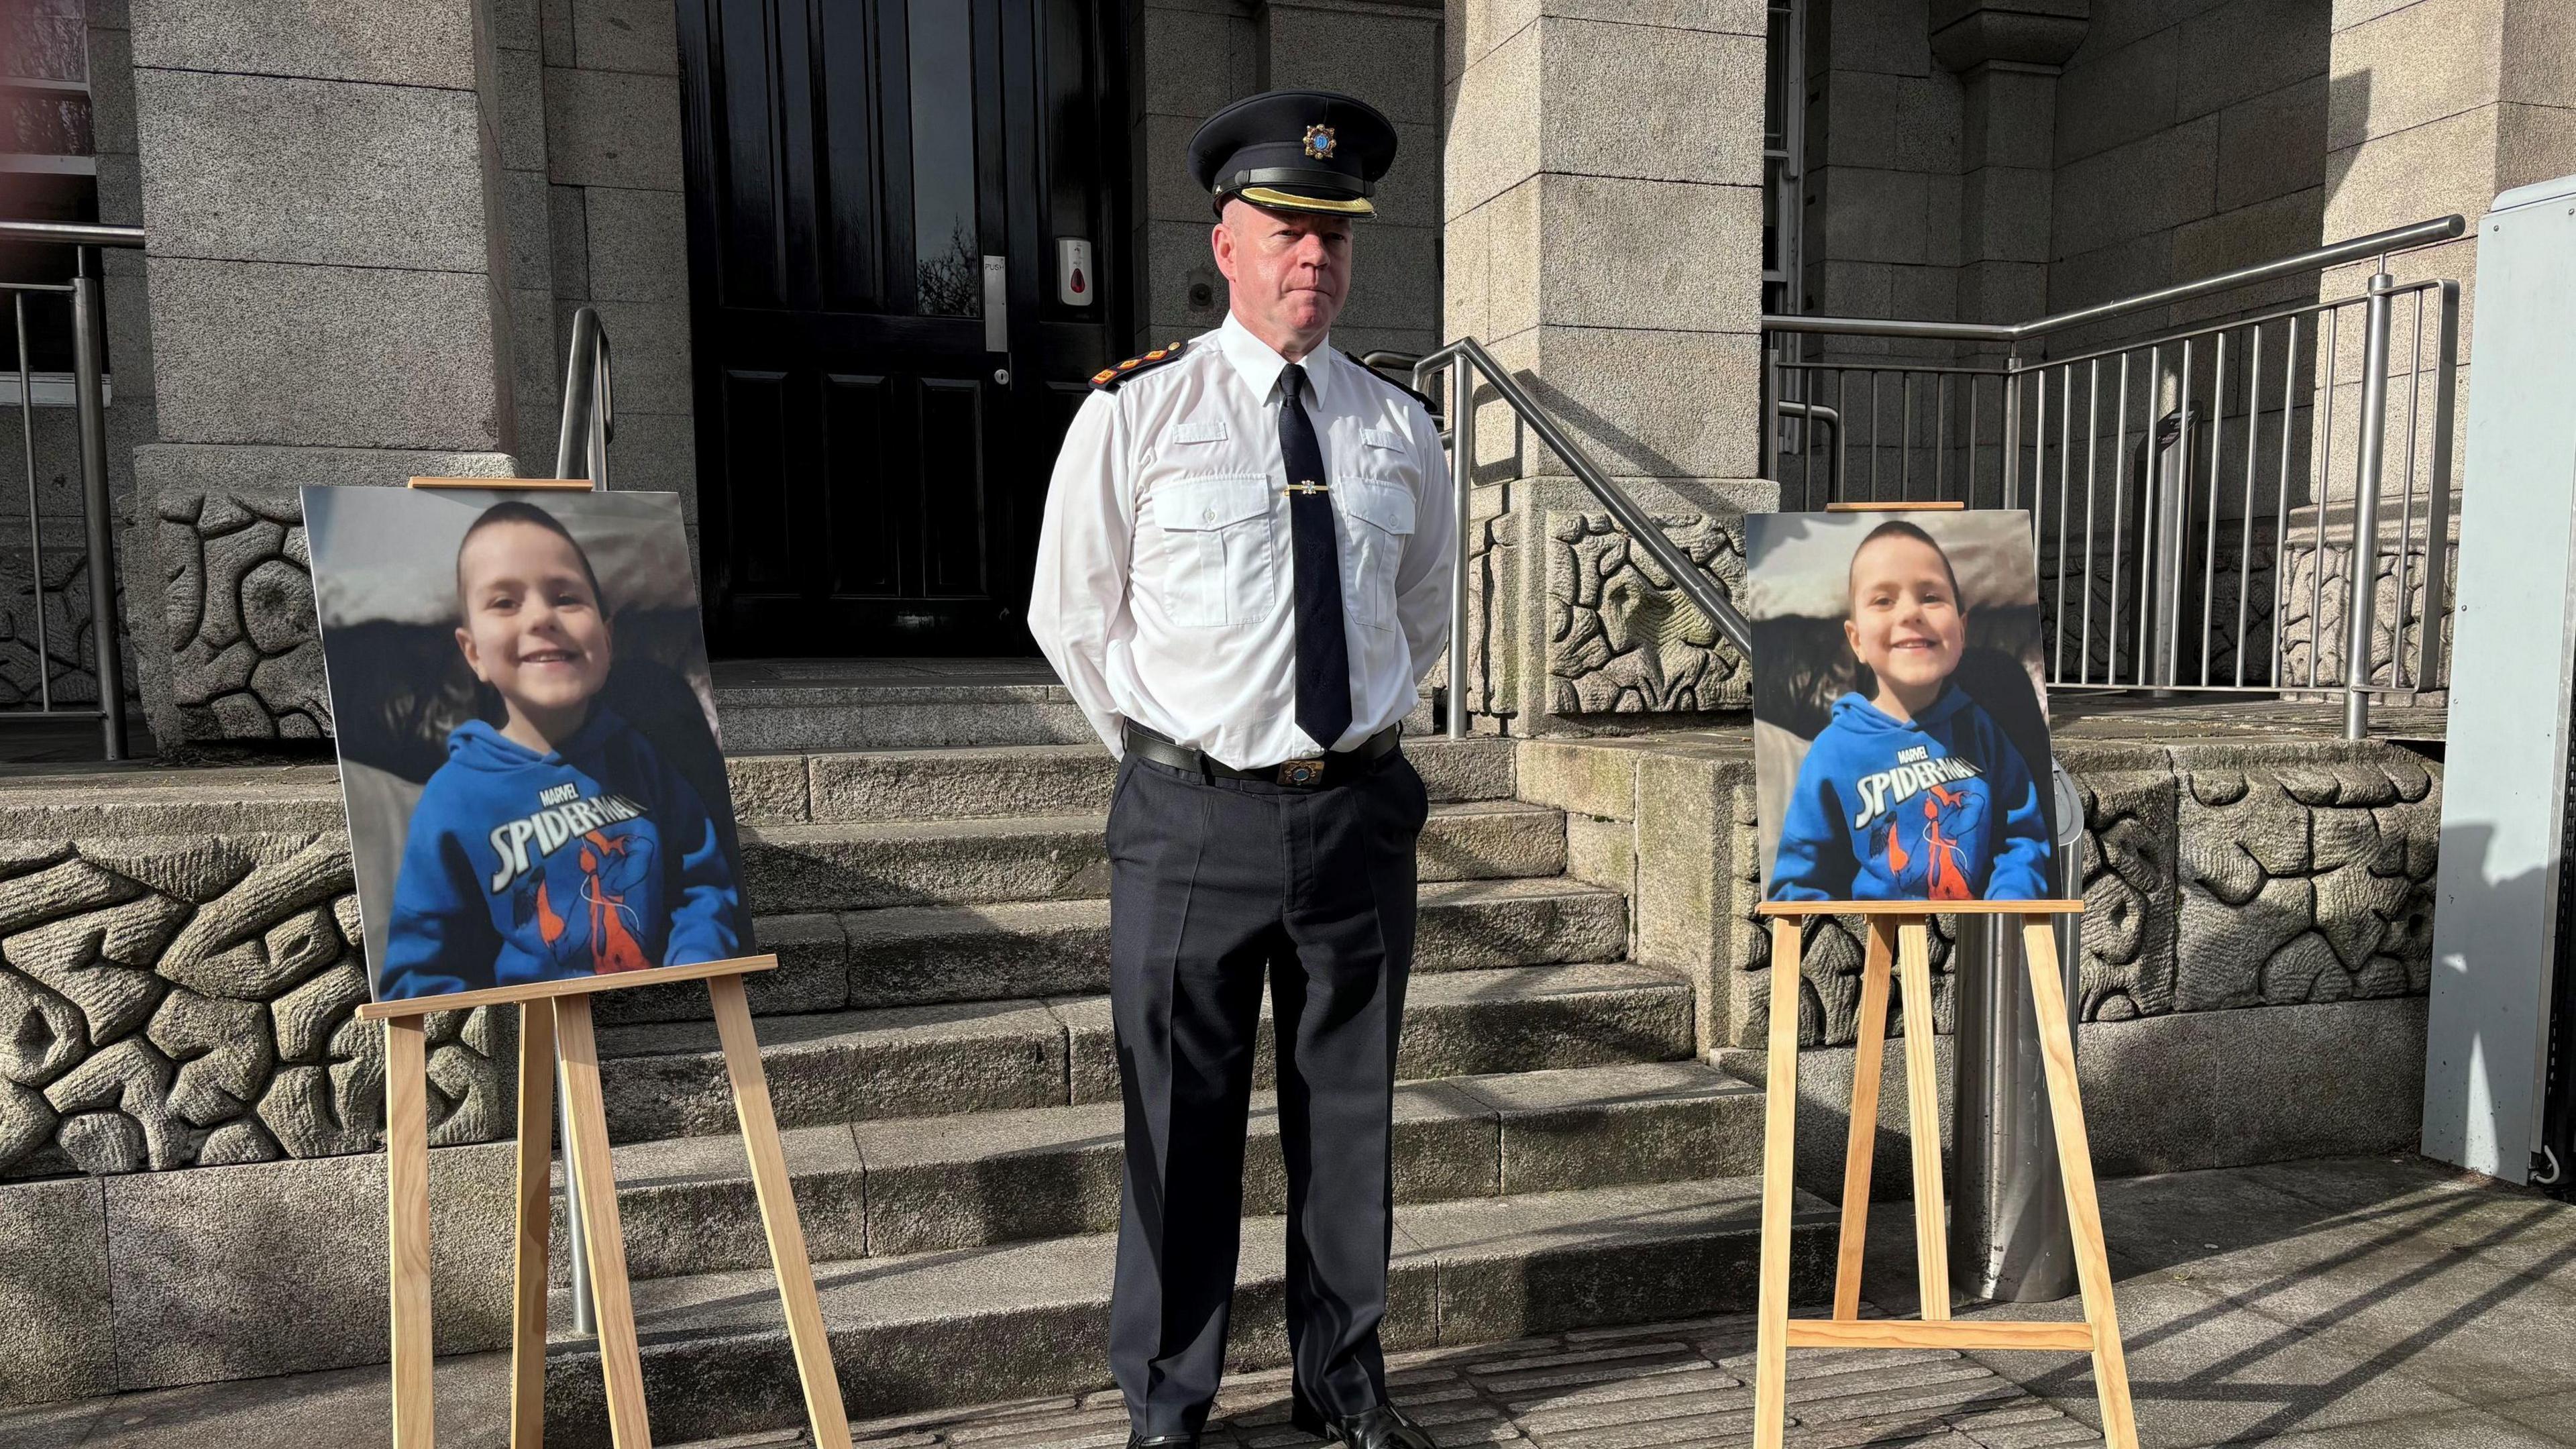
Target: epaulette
1108	379
1428	405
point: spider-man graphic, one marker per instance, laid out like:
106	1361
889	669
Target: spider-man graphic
612	866
1933	865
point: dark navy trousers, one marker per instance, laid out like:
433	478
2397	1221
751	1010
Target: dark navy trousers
1213	883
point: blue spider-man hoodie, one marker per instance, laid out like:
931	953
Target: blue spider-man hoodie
1936	808
528	867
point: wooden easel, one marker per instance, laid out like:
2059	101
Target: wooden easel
554	1020
1902	929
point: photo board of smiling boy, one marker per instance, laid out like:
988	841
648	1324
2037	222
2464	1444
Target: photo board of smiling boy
1900	719
526	724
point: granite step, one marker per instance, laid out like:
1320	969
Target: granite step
862	786
923	715
1009	707
924	955
964	1326
914	1185
667	1079
845	867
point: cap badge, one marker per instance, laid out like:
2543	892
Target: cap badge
1319	142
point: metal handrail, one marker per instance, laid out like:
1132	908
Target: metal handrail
1821	415
2376	301
2379	244
589	422
89	396
71	233
589	408
1465	359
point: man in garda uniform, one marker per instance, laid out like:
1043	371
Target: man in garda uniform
1243	576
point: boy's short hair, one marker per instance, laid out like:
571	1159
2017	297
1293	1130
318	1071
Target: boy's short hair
518	510
1899	528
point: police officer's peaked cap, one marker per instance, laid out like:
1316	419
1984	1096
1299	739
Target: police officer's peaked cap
1295	151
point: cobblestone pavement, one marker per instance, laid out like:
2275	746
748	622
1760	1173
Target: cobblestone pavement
2357	1303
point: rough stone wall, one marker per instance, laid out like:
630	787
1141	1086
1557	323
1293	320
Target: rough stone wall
593	183
1192	57
186	1000
1883	168
1621	638
2189	139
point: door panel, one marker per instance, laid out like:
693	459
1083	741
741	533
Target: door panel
873	461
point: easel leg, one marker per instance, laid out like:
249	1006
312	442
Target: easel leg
536	1221
805	1332
1779	1184
620	1363
407	1221
1868	1056
1923	1114
2075	1164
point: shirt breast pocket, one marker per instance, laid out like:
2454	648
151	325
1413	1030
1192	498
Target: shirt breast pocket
1382	519
1216	549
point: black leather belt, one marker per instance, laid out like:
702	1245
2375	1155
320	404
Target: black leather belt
1312	771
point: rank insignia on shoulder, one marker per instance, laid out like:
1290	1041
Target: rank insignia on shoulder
1108	379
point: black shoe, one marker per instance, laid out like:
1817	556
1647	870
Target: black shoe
1162	1441
1383	1427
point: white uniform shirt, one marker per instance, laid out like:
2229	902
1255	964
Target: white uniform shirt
1165	589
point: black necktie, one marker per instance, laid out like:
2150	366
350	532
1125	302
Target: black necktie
1323	655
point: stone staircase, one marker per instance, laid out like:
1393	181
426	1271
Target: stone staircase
930	866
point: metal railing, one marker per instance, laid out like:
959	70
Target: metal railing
581	451
89	400
589	406
1466	360
2189	546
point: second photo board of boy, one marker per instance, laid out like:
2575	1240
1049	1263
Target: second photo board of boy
1900	718
527	736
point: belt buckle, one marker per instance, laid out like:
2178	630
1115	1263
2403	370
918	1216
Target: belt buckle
1301	772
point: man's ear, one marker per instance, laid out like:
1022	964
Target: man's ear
1851	637
473	656
1221	246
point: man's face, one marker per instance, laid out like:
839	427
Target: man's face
1289	270
533	629
1905	622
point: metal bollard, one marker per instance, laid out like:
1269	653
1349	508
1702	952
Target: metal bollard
2008	1234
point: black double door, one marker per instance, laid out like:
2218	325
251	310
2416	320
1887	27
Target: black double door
903	218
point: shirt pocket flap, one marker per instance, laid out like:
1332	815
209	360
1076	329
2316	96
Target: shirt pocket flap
1388	505
1205	503
1382	438
1211	430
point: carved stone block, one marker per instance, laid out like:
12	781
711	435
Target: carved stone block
41	1034
2127	881
246	656
1621	637
187	1001
2304	880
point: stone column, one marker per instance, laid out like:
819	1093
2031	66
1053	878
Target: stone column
2432	107
329	304
2008	54
1603	212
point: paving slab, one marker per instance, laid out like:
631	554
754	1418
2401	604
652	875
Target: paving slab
2207	1370
2208	1365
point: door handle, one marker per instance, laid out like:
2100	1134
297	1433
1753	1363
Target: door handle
997	304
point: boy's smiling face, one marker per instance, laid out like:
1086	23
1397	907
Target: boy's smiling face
533	629
1905	622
